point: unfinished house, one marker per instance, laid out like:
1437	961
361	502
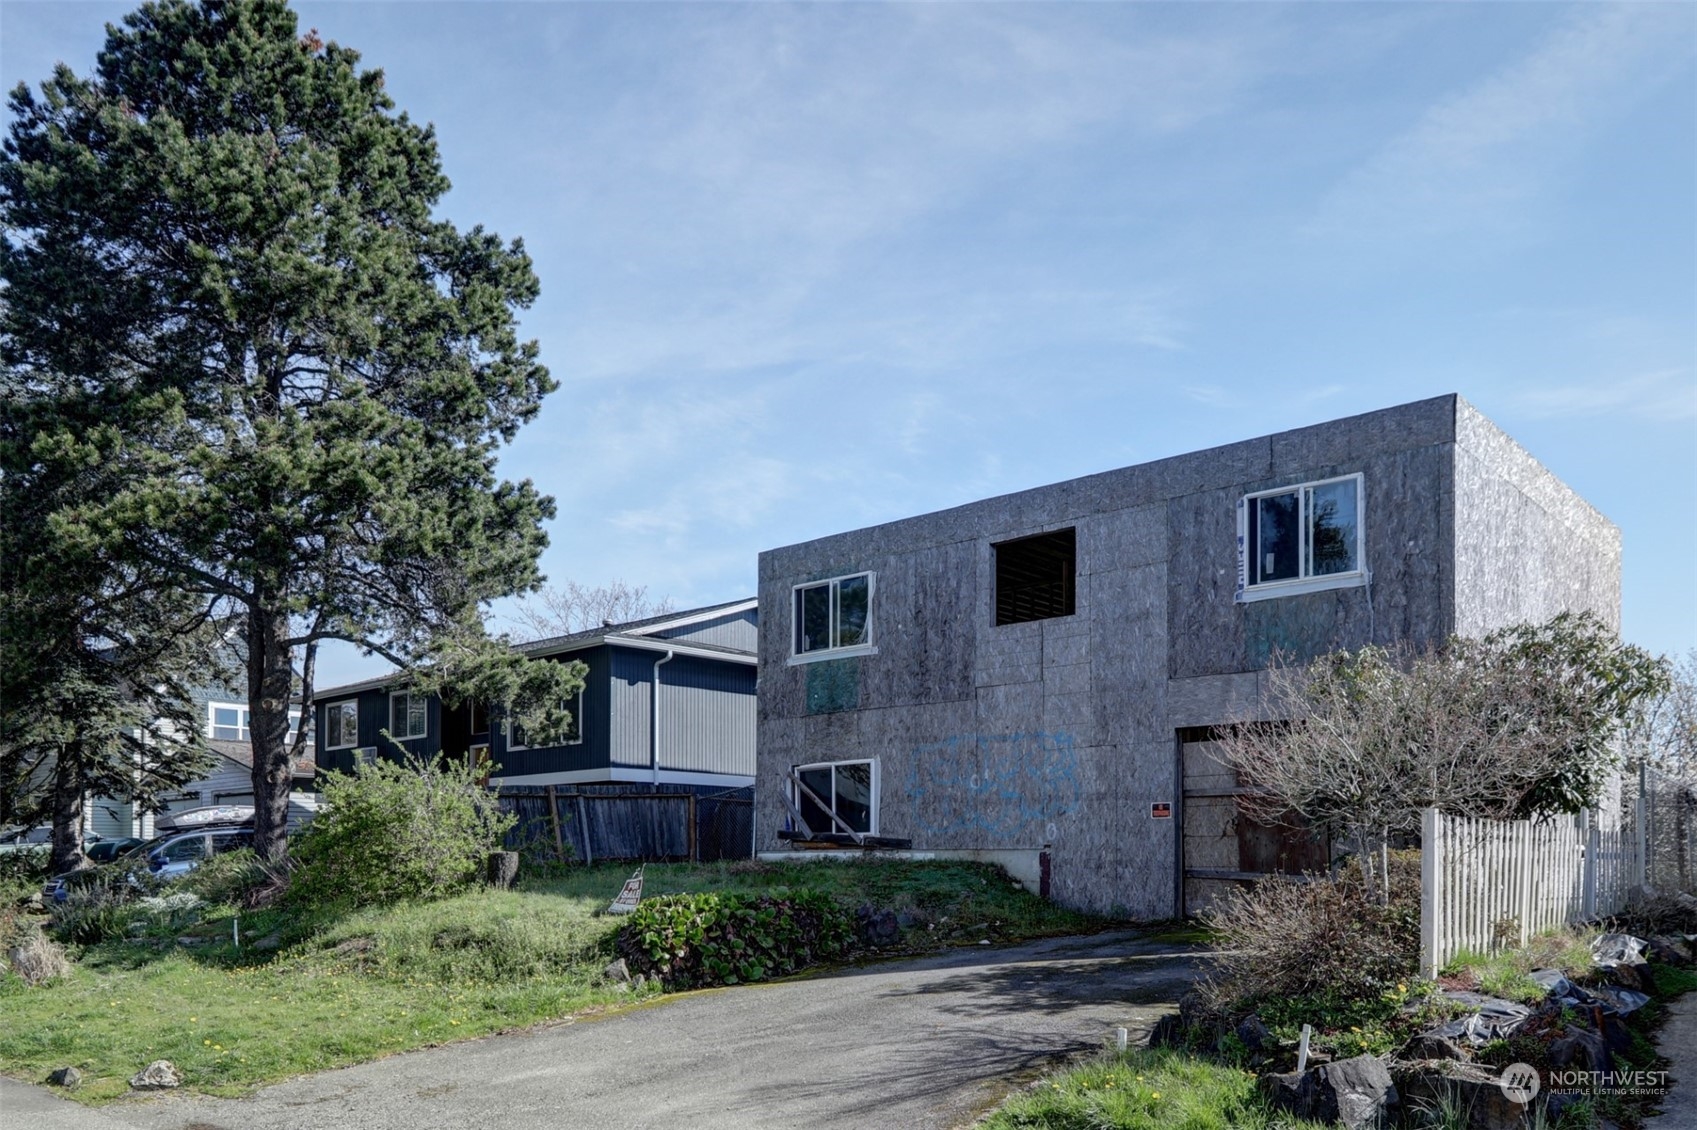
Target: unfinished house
1043	671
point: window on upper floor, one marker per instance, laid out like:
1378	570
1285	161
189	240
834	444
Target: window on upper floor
409	715
516	738
341	724
1301	538
229	722
479	720
1036	577
833	618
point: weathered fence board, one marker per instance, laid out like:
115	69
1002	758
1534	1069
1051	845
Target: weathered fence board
1485	884
590	824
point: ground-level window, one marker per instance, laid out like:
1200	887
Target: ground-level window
1036	577
833	615
408	715
573	735
341	725
1301	537
847	790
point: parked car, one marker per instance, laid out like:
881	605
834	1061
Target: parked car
166	857
105	851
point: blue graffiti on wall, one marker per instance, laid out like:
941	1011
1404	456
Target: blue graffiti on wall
999	788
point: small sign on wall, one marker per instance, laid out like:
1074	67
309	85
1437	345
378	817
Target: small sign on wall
1161	810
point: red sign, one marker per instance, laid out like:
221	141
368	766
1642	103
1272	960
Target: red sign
1161	810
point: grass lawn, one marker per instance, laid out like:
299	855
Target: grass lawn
358	987
1143	1089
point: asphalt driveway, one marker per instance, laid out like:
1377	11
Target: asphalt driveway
931	1042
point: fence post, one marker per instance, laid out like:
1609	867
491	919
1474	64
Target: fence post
554	816
583	822
1640	840
1431	890
1589	874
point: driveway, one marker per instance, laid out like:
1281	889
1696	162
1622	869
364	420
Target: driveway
931	1042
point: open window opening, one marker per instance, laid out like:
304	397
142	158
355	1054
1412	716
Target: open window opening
1036	577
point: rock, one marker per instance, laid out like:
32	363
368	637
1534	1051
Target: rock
160	1075
269	942
1615	949
1356	1092
67	1077
617	971
501	869
879	927
1581	1049
1634	975
191	940
638	981
1474	1092
1430	1045
1291	1091
1669	950
1254	1034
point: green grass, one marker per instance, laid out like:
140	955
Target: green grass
1506	974
348	989
1142	1089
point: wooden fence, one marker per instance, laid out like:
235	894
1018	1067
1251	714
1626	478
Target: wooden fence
590	824
1486	884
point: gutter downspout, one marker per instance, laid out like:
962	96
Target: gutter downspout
654	726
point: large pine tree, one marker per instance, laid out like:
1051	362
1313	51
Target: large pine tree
222	243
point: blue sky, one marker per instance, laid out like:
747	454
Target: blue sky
810	267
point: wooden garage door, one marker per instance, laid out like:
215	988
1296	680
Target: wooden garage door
1223	847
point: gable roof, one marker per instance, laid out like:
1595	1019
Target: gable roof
632	633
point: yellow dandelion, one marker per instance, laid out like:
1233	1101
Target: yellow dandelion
208	1043
1154	1094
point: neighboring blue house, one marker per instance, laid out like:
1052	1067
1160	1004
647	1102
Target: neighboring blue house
667	701
224	713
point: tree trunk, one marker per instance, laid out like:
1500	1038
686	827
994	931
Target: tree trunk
270	684
67	816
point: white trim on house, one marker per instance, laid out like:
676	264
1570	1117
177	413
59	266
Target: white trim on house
394	731
329	733
833	585
619	774
748	605
875	786
1305	580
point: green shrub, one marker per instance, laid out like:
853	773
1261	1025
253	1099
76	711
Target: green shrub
25	866
689	941
225	879
396	830
100	904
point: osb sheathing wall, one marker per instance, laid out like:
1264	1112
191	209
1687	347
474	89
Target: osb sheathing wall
1062	731
1527	547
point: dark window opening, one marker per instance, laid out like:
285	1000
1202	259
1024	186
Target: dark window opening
1036	577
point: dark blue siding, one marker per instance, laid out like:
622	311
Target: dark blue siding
739	630
590	753
707	713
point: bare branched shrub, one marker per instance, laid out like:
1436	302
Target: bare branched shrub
1317	936
38	959
1524	722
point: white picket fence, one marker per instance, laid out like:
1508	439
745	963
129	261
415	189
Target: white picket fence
1486	884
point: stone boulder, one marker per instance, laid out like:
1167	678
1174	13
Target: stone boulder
1581	1049
1473	1092
1429	1046
160	1075
66	1077
1356	1093
1254	1034
879	928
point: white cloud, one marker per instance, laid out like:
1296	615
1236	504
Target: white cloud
1665	395
1479	156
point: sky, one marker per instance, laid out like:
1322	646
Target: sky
810	267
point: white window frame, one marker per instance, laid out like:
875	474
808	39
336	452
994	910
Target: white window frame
507	728
244	726
1303	582
330	730
795	794
407	737
867	647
